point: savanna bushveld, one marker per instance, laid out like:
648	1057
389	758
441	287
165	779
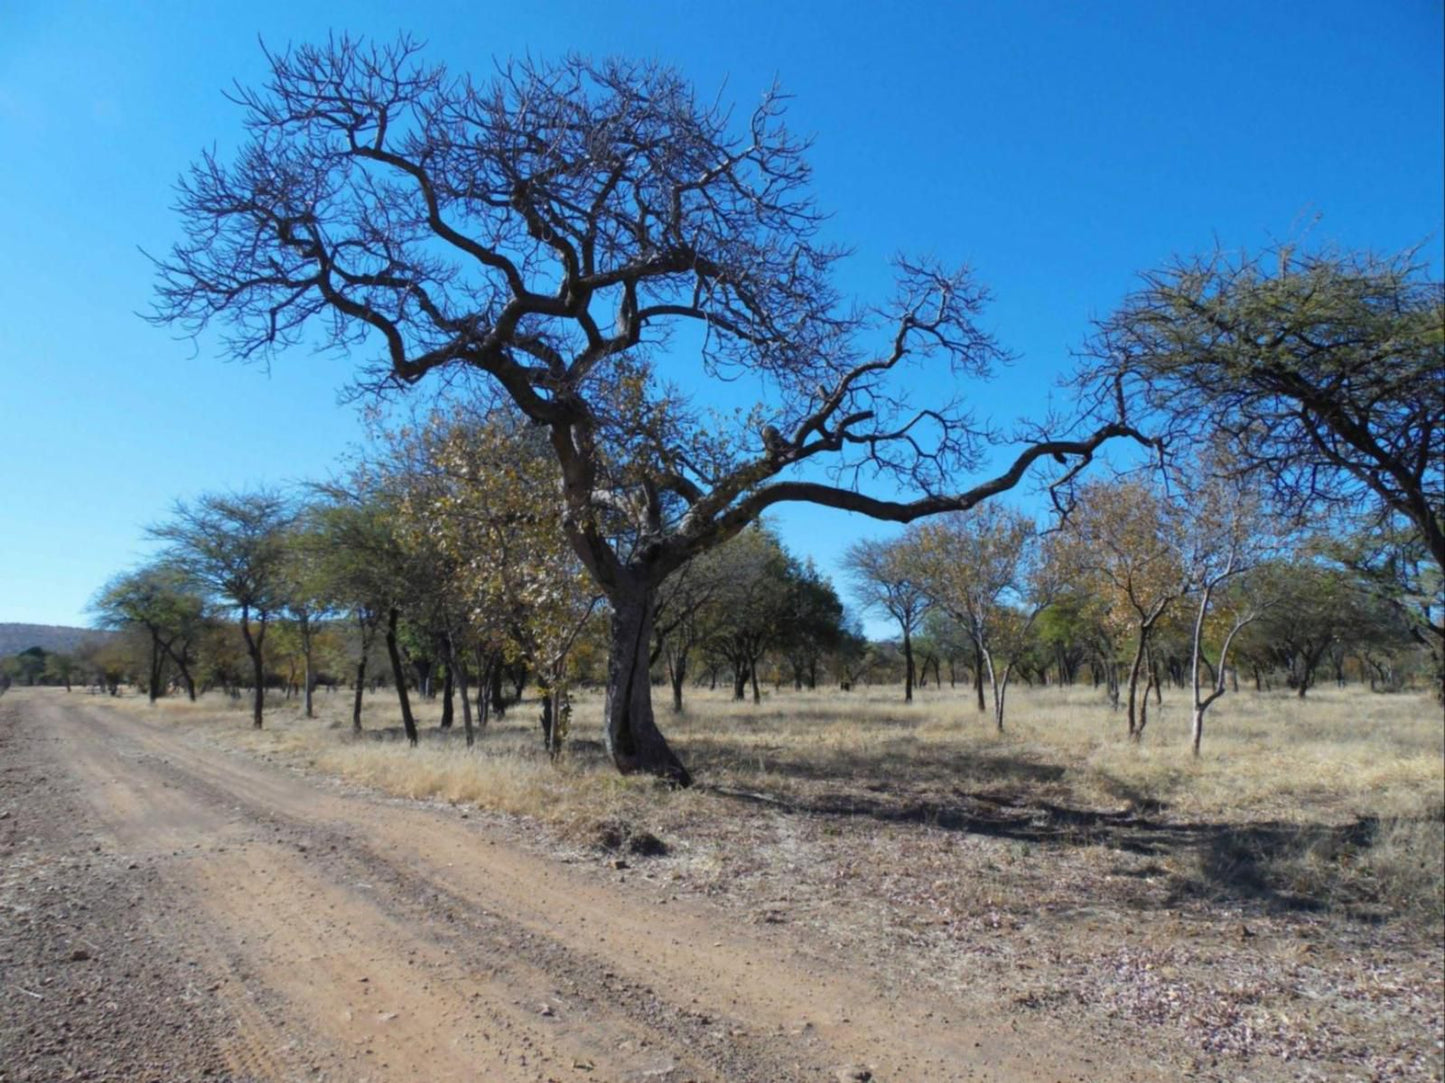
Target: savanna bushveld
1151	750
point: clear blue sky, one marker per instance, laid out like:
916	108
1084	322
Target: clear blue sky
1058	148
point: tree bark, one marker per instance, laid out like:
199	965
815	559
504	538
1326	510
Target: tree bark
1134	682
254	646
455	662
356	700
633	740
907	666
153	686
448	692
408	723
677	671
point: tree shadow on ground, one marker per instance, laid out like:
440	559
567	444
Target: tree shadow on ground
1254	864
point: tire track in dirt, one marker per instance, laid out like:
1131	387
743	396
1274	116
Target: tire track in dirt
367	938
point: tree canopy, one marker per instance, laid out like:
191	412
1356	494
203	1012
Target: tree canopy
1321	369
563	233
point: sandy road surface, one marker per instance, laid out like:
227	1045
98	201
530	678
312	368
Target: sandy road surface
189	912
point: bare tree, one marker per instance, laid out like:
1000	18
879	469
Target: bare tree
888	576
552	233
1225	535
982	569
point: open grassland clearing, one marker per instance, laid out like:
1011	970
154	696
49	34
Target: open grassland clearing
1275	903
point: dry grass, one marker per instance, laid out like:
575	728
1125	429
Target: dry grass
1336	799
1272	909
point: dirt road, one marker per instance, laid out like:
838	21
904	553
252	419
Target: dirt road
172	910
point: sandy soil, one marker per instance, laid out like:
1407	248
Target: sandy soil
173	910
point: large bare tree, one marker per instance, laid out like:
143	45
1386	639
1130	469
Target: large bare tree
593	242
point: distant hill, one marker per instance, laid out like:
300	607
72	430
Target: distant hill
15	638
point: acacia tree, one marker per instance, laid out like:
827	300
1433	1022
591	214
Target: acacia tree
813	625
1321	369
234	547
692	604
355	540
550	232
305	590
160	599
752	603
886	575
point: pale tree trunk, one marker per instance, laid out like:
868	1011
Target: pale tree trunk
633	740
1202	704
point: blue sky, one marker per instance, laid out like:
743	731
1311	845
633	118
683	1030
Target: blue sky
1057	148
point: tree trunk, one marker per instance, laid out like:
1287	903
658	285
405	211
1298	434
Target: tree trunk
448	692
753	675
978	677
677	671
356	700
907	667
1149	685
153	687
549	729
1134	682
633	740
310	680
1000	694
408	723
454	662
258	668
499	699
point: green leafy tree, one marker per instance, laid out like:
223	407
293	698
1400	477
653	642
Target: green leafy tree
1321	369
234	546
161	599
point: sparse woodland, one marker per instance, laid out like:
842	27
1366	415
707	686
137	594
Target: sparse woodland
568	512
1177	648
